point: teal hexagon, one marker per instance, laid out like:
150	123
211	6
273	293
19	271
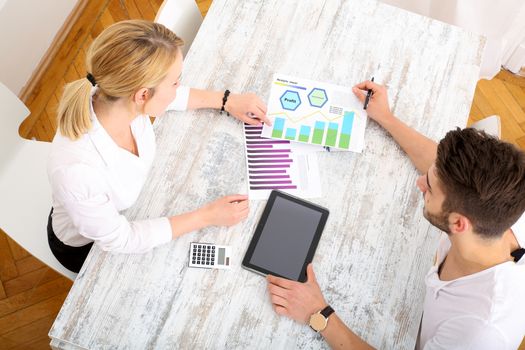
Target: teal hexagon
290	100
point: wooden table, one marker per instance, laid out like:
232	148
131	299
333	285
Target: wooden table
376	247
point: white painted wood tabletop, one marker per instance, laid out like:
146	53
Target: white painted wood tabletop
376	247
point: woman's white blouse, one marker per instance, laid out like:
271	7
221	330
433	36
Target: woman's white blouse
93	180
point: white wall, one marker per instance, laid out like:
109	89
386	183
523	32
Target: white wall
27	28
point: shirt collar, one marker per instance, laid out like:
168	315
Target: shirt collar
104	144
519	230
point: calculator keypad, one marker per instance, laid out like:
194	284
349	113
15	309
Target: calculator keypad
203	255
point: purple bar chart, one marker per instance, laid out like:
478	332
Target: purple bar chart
279	165
268	161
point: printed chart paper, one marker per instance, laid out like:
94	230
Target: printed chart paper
280	165
315	113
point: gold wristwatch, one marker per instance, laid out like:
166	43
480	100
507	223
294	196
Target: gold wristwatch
319	320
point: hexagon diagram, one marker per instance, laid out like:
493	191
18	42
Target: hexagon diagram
290	100
317	97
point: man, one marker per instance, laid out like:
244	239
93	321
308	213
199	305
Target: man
473	186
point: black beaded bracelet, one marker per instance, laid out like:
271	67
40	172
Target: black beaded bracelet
224	99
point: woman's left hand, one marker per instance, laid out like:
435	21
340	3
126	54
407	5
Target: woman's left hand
248	108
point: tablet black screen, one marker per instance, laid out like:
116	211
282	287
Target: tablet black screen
286	238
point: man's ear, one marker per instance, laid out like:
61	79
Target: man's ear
141	96
458	223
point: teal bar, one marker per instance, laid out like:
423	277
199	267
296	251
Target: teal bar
278	127
346	130
278	124
290	133
348	120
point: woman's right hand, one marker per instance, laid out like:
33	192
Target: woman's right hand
378	108
226	211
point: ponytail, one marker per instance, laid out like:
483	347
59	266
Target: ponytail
125	57
74	115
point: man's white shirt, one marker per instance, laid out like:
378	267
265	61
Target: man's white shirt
485	310
93	180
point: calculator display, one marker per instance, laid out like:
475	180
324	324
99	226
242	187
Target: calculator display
221	255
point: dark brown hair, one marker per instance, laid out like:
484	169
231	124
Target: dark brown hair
483	179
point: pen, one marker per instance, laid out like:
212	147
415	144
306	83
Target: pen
368	95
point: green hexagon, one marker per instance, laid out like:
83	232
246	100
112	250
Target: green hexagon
317	97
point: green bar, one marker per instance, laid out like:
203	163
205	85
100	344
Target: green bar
290	138
331	135
277	133
304	133
344	141
318	132
303	138
318	136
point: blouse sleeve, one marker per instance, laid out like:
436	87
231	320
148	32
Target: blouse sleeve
180	103
85	197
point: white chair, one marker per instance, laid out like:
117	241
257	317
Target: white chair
491	125
182	17
25	199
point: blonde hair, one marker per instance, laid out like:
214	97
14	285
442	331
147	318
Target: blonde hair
125	57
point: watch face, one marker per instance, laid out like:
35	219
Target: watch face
318	322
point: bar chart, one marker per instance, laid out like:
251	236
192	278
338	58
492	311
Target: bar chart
278	165
335	133
268	161
315	113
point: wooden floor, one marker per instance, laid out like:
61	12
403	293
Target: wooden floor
505	96
30	296
30	293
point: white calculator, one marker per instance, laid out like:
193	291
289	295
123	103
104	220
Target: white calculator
210	256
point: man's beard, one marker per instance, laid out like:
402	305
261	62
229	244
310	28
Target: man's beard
440	220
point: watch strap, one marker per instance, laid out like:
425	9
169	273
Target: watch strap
327	311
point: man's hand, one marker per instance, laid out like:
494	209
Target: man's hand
300	300
421	150
248	108
378	108
294	299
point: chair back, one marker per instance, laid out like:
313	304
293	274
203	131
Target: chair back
12	113
182	17
25	191
491	125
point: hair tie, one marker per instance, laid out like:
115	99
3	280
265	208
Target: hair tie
91	79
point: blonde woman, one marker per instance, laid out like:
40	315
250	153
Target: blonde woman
105	144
